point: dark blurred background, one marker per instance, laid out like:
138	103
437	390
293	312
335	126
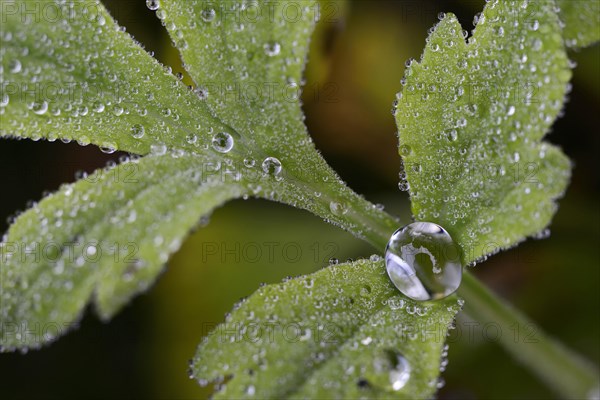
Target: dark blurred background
354	70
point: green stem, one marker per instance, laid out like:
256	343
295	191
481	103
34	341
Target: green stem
566	372
570	375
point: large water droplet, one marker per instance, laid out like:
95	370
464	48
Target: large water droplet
423	261
222	142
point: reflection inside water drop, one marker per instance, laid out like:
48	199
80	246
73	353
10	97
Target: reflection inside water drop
271	166
222	142
14	66
208	14
272	49
137	131
400	374
392	370
153	4
423	261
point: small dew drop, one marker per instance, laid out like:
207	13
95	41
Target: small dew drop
452	135
118	110
405	150
158	149
137	131
15	66
222	142
84	140
91	250
191	139
39	108
271	166
98	107
108	148
182	44
400	373
201	92
208	14
153	4
337	208
272	49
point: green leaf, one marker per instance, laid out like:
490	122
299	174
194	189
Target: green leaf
91	62
337	333
79	76
109	235
82	48
248	56
247	59
581	22
470	120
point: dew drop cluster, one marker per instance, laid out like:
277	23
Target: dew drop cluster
381	354
471	116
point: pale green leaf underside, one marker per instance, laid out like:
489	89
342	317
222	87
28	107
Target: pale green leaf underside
152	211
248	57
470	121
582	22
99	67
327	335
77	75
108	235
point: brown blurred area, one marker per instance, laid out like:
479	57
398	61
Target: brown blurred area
355	65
